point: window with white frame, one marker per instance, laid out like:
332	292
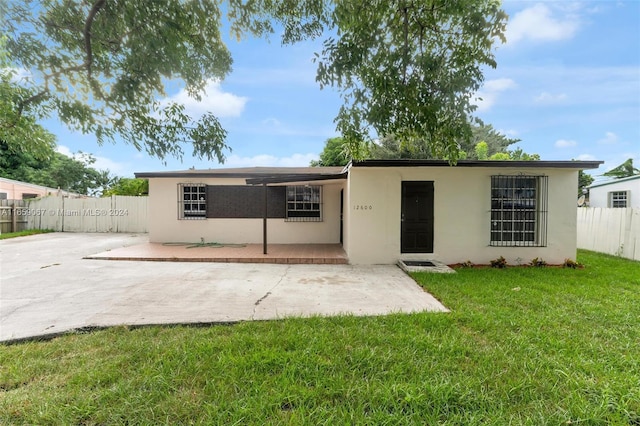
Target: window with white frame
192	200
618	199
304	203
519	211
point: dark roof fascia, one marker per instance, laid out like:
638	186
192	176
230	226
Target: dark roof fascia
203	174
582	165
223	174
294	178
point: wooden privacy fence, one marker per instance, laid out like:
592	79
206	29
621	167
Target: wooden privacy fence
111	214
611	231
10	222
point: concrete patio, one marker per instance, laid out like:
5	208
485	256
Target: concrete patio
317	254
48	288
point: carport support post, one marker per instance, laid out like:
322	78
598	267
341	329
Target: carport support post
264	220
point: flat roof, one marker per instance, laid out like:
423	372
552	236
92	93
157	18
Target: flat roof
246	172
292	174
582	165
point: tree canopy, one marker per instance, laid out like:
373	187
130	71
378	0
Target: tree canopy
409	69
56	171
333	154
625	169
404	68
485	144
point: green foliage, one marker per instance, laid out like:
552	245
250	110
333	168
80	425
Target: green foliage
25	233
127	186
407	68
56	171
404	68
500	357
499	263
496	141
390	147
101	66
625	169
482	150
584	180
515	155
571	264
538	262
333	154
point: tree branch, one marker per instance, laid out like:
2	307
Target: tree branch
99	4
87	33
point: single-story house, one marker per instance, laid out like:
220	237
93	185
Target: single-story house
381	211
616	193
17	190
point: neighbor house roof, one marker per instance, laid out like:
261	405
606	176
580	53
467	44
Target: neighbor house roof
57	191
609	182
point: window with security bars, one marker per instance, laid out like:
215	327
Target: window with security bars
304	203
519	211
618	199
192	201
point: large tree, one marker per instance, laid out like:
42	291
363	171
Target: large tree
409	69
56	170
405	68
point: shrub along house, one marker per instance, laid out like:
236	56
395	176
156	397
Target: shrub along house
381	211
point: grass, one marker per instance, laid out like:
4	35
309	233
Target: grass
24	233
538	346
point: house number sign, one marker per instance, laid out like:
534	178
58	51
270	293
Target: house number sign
363	207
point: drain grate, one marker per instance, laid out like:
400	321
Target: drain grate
418	263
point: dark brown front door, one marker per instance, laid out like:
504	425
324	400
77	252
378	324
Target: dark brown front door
417	217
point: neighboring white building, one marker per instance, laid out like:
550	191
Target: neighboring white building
381	211
17	190
617	193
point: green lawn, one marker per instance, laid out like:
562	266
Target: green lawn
521	346
7	235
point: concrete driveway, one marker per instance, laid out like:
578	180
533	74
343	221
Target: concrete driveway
46	287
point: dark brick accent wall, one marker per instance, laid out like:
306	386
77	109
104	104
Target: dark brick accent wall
245	202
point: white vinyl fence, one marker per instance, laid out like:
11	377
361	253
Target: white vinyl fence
611	231
112	214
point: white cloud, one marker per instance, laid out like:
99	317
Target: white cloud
274	122
537	23
610	138
488	95
214	100
266	160
565	143
548	98
586	157
101	163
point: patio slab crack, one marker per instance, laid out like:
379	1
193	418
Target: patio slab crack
268	293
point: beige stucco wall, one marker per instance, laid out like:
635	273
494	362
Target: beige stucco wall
164	225
461	215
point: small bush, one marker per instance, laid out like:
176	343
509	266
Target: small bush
467	264
499	263
538	262
569	263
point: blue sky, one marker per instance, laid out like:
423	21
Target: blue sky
567	84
